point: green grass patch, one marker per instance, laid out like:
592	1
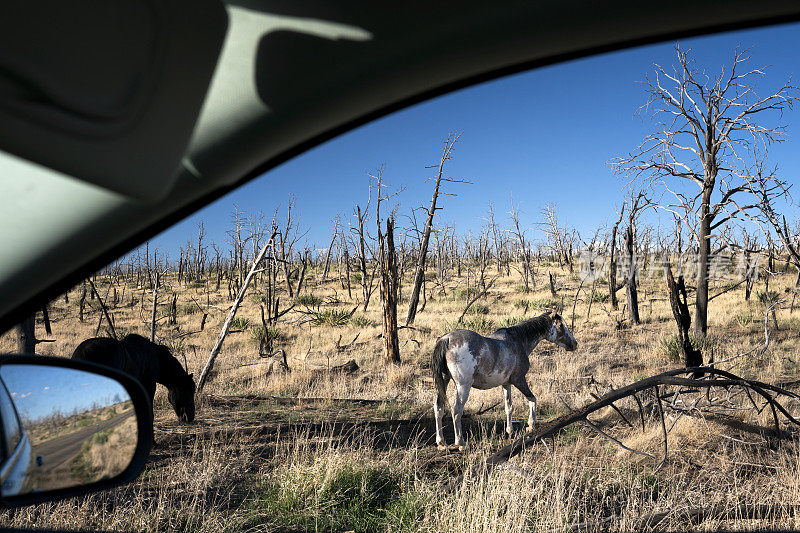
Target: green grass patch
331	317
743	320
478	309
673	351
240	322
509	321
477	323
361	321
258	333
352	497
600	297
767	297
309	300
544	303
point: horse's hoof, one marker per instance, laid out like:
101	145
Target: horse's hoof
462	447
530	429
442	447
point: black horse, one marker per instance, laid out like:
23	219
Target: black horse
148	362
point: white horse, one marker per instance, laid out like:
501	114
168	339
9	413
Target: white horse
499	360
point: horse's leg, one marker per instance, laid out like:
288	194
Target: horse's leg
462	394
438	412
522	386
509	410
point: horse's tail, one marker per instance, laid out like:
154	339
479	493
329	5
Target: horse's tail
441	374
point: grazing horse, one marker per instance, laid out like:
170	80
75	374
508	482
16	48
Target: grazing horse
148	362
499	360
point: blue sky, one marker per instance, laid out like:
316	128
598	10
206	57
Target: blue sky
38	390
545	136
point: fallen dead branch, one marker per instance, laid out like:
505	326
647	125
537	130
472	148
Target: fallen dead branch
715	378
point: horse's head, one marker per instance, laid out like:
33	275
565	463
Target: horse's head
559	333
181	397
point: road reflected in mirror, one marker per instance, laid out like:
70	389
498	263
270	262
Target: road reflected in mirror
63	428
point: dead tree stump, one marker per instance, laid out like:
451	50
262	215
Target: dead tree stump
680	310
389	282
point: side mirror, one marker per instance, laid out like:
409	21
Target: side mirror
67	428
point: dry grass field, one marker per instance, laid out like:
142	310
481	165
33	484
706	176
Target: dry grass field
314	449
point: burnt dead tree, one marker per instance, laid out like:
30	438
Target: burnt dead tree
612	262
104	308
389	279
360	239
330	248
26	336
637	203
559	239
389	285
710	132
288	238
523	248
419	273
680	310
208	367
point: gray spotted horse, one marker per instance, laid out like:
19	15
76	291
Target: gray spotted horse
499	360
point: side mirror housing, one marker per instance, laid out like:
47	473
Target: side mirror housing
68	428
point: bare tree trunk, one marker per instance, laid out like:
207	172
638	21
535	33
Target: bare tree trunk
677	297
328	253
612	263
46	319
633	296
155	308
82	302
26	336
104	308
701	296
347	271
205	374
389	281
419	275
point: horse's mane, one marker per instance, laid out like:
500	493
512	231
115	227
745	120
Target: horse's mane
532	328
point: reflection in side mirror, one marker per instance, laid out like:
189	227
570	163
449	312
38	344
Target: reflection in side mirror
62	428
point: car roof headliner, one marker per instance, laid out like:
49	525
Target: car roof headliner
292	76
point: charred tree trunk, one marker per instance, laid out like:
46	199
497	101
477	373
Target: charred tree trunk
328	253
82	302
46	320
419	274
612	263
701	297
206	373
389	283
26	336
633	296
347	272
680	310
155	308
